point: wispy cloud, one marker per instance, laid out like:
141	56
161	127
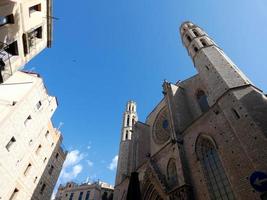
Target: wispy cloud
90	163
113	164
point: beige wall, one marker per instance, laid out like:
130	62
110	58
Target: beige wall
26	110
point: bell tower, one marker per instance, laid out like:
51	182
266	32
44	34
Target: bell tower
216	70
129	119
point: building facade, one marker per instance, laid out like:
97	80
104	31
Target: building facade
25	30
205	139
85	191
31	152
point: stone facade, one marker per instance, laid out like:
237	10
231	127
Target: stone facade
205	137
25	30
31	152
85	191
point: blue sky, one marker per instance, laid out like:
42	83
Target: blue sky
107	52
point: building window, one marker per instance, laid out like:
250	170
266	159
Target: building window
35	8
87	195
128	120
47	133
6	20
172	173
43	188
27	169
52	144
188	38
27	120
38	105
30	142
216	179
10	143
14	194
30	39
195	49
12	49
51	169
35	179
38	149
195	32
80	196
57	155
71	196
44	159
126	135
202	101
203	42
133	121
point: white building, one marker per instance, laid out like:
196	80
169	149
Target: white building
30	147
25	30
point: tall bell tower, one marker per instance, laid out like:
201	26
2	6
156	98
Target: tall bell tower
129	119
215	68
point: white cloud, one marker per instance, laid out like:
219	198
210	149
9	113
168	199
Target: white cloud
72	174
90	163
73	158
89	147
113	164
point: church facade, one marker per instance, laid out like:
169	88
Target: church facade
204	140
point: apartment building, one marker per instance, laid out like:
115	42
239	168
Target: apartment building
30	147
25	30
86	191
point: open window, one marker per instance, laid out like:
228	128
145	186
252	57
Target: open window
9	19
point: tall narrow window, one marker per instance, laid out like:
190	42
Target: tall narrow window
38	149
216	179
10	143
172	173
128	120
38	105
27	169
133	122
80	196
202	101
27	120
87	195
188	38
71	196
43	188
14	194
126	135
195	32
51	169
203	42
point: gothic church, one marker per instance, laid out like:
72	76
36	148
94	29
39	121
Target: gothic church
203	140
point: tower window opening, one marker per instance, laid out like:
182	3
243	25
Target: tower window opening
202	101
188	38
195	49
128	120
133	122
195	32
6	20
12	49
38	149
126	135
203	42
236	113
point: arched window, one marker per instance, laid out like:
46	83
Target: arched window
203	42
195	32
133	122
128	120
172	173
202	101
195	49
126	135
188	38
216	179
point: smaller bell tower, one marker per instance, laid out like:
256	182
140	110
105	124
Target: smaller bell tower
129	119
